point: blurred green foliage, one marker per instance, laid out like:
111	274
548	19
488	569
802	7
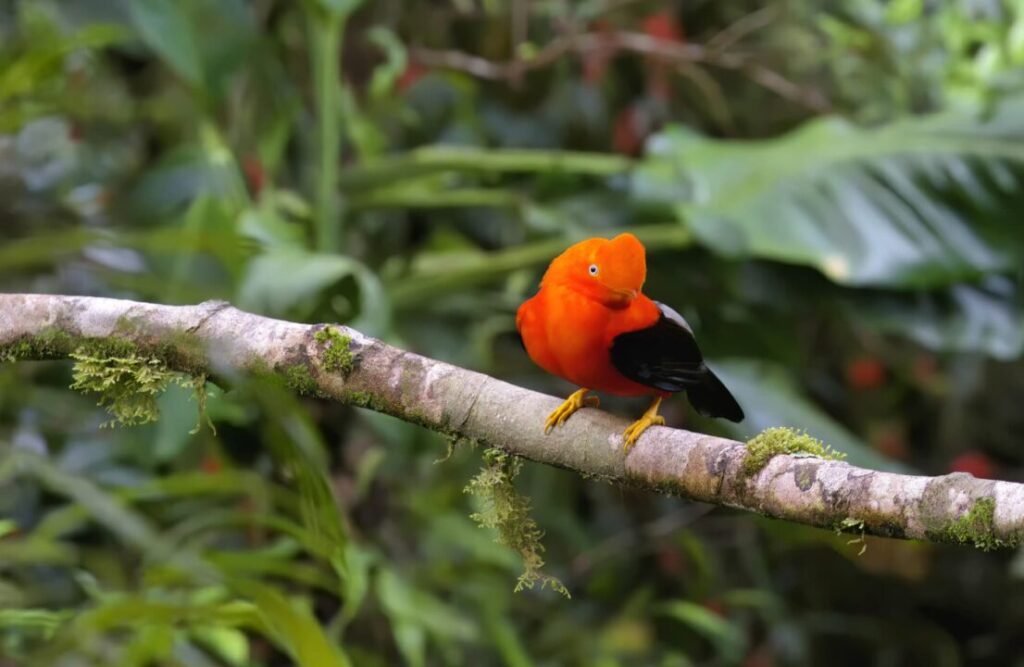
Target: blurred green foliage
830	192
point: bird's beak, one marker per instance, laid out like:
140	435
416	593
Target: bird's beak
623	297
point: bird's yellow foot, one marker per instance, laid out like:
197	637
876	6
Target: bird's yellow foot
636	429
578	399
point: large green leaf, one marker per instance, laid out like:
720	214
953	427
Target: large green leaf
984	318
286	279
902	204
164	28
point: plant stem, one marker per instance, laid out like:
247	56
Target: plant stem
326	32
437	159
449	272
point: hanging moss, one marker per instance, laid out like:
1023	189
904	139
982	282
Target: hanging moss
128	383
127	380
508	512
201	395
771	442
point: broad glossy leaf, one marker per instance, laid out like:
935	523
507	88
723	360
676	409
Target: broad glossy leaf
899	204
986	318
285	280
164	28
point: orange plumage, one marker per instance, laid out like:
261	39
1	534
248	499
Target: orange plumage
590	324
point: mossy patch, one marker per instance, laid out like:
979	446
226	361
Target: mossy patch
976	527
364	399
128	383
771	442
337	350
127	379
48	343
298	378
508	512
295	377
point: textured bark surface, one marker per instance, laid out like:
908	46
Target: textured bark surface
339	363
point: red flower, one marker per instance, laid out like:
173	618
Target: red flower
630	131
211	465
596	61
671	561
925	369
413	73
662	25
716	607
255	174
890	441
865	373
974	462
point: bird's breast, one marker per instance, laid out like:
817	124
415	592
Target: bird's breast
569	335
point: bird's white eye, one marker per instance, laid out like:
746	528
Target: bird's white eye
593	269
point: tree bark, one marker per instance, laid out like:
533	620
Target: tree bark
339	363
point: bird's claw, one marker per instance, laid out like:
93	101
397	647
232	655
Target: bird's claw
637	428
577	400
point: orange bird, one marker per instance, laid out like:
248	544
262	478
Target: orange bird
590	324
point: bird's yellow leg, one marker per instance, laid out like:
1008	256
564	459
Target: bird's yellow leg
578	399
636	429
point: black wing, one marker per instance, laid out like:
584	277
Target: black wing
665	356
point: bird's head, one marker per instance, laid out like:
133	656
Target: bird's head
610	271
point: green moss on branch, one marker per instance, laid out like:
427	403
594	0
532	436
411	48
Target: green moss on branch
127	376
976	527
783	440
337	353
298	378
47	344
128	383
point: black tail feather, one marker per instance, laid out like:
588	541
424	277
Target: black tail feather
711	399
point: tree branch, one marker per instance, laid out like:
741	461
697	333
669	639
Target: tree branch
684	54
342	364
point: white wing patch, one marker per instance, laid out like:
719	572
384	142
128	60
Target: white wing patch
671	314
